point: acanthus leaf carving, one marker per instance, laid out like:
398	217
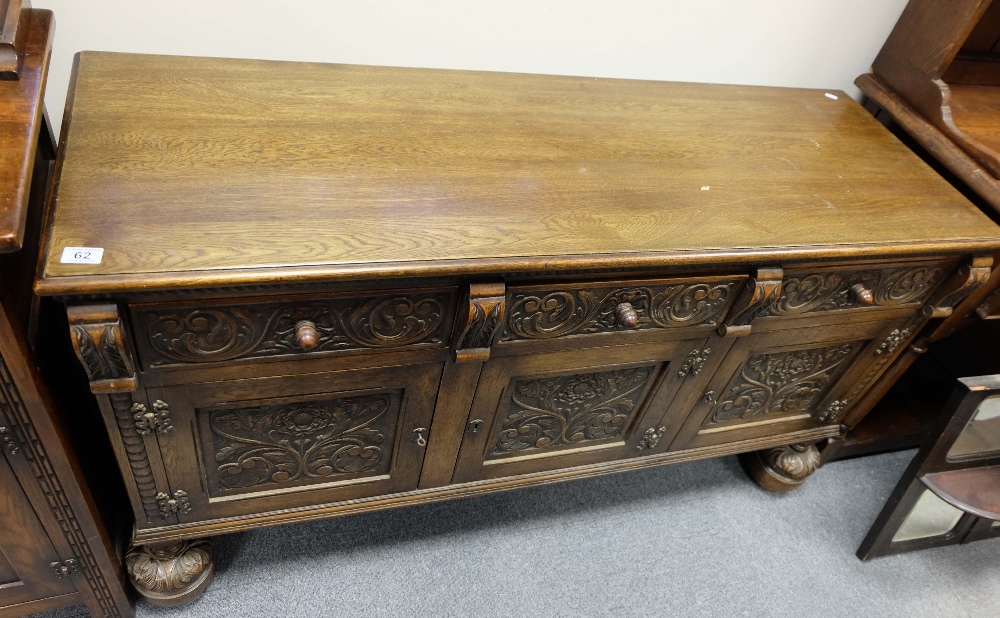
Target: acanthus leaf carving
754	300
165	573
483	314
98	338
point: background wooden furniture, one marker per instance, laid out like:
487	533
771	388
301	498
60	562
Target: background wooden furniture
55	549
936	84
950	493
330	289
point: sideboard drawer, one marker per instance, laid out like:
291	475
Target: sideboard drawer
850	290
591	313
179	334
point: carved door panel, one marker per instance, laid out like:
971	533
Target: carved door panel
265	444
777	382
28	561
561	409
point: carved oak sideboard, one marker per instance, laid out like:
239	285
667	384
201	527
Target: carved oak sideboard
310	290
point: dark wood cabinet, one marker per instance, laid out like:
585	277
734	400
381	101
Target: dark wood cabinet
494	281
59	534
29	564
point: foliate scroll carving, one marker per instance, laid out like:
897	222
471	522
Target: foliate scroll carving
535	314
172	573
301	441
480	320
148	422
548	412
756	299
206	334
98	338
830	291
169	505
780	383
694	362
970	277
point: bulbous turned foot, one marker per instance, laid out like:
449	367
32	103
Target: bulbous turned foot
781	469
170	574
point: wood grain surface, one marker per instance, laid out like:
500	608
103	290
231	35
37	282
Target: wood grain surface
188	171
21	111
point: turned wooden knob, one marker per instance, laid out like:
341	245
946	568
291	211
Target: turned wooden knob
306	335
862	294
627	316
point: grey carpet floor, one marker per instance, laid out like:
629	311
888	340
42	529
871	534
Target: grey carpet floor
695	539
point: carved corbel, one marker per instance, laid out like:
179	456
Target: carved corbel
760	293
98	336
481	315
970	276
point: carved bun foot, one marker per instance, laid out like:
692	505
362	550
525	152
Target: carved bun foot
781	469
170	574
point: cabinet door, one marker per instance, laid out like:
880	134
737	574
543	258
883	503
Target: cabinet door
25	551
561	409
258	445
776	382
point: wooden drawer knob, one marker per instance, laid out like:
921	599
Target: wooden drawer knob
627	316
861	294
306	335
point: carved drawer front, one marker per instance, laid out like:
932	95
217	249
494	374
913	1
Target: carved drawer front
265	444
213	332
579	311
857	288
547	411
776	383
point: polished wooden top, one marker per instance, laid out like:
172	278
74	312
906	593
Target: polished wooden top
21	109
199	171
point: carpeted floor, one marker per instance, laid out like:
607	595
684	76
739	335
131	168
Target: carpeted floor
695	539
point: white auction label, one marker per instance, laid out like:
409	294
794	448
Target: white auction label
82	255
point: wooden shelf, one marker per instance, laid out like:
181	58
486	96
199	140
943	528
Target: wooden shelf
973	490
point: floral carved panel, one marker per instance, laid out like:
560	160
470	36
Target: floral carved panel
557	411
304	442
781	383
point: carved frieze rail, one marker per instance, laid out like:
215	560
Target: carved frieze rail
563	310
847	289
215	333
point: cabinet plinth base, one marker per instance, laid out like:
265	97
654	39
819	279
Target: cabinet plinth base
783	468
170	574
